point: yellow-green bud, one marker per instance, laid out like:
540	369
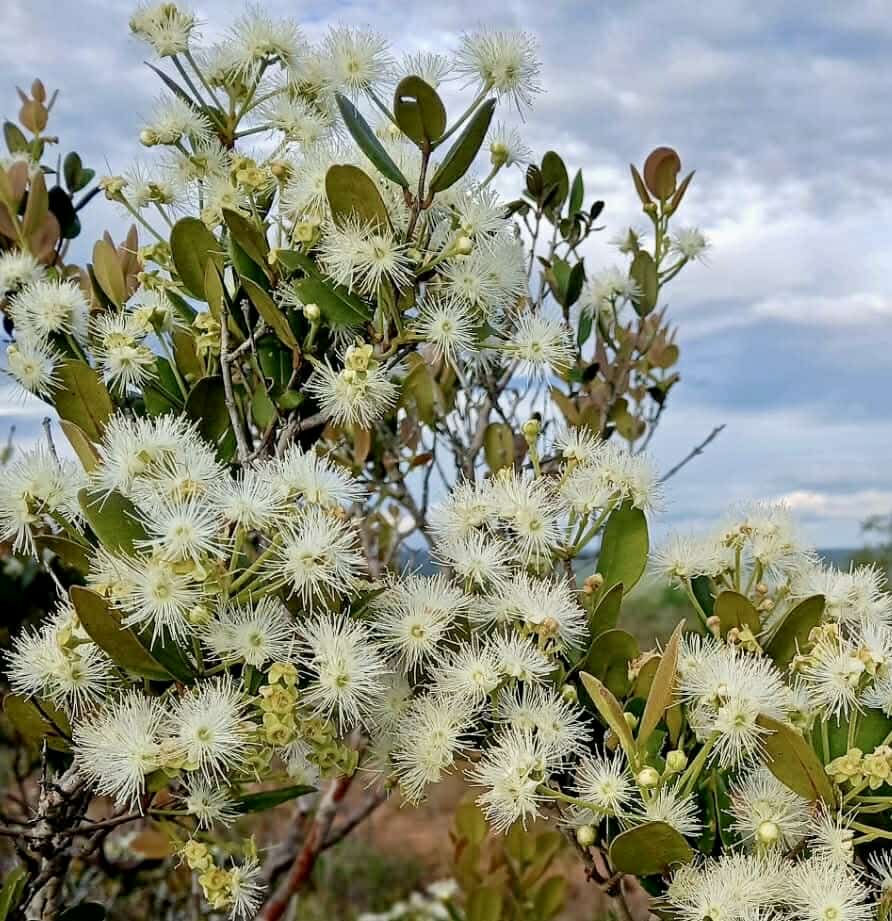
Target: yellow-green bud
148	138
568	693
648	777
498	153
464	246
676	761
312	312
767	832
199	615
631	719
531	429
585	835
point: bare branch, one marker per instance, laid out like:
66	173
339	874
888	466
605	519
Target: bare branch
694	452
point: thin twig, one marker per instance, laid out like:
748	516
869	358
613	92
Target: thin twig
225	371
694	452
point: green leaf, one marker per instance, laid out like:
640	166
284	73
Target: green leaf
85	450
793	761
11	893
108	272
271	312
662	689
249	237
484	904
206	405
611	711
609	657
37	206
34	722
263	410
736	611
624	547
352	193
338	305
470	823
577	193
643	272
103	625
554	174
82	398
872	728
585	328
419	111
649	849
368	143
575	282
113	518
185	353
16	142
76	177
606	614
461	155
549	898
498	445
791	635
192	247
267	799
72	554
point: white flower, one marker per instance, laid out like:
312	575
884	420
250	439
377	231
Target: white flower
364	256
506	147
18	269
345	667
264	633
429	738
183	529
766	812
518	658
257	39
448	326
503	61
671	806
251	500
36	489
318	555
512	769
830	839
298	767
880	864
167	27
46	307
530	508
415	615
124	360
210	729
245	889
539	344
818	890
296	119
682	558
478	560
605	783
834	674
352	397
209	803
470	674
542	711
433	68
32	363
159	597
359	58
116	750
174	119
305	189
607	291
549	608
577	445
465	509
318	480
690	243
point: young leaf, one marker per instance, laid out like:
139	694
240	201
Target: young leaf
736	611
659	699
85	450
249	237
368	143
108	272
611	711
461	155
608	659
791	635
606	614
192	246
498	446
267	799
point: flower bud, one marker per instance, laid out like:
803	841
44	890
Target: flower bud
531	429
648	777
312	312
568	693
585	835
199	615
463	246
676	761
148	138
498	153
767	832
631	719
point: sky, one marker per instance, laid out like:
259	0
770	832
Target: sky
782	108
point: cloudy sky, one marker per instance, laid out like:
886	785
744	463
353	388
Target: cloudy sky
783	109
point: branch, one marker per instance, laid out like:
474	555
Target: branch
314	844
229	398
694	452
354	819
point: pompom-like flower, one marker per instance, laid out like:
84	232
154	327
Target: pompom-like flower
506	62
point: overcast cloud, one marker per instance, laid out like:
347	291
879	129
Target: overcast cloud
783	110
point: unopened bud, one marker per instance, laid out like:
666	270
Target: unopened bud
593	583
761	589
585	835
531	429
767	832
630	719
568	693
199	615
464	246
148	138
714	625
676	761
281	169
312	312
766	605
648	777
498	153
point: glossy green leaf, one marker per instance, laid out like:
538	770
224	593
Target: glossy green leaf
577	193
643	272
872	727
793	762
662	689
113	518
736	611
103	625
554	175
498	446
206	405
82	398
611	711
608	660
791	635
419	111
368	143
271	312
339	306
461	155
192	246
624	547
352	194
649	849
249	237
267	799
606	614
